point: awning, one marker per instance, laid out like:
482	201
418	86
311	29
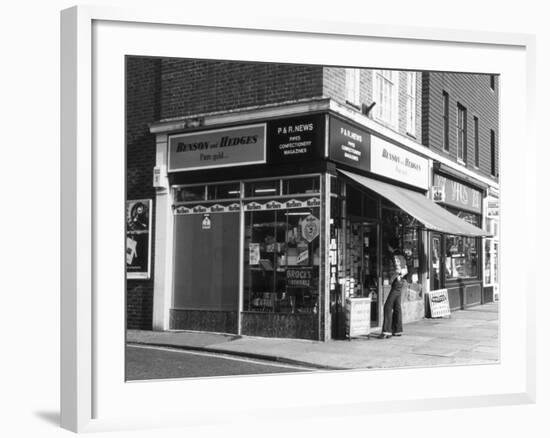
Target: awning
431	215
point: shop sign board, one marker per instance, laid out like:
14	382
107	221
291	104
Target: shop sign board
234	146
357	312
310	227
297	278
348	144
295	139
138	239
459	195
438	195
439	303
391	161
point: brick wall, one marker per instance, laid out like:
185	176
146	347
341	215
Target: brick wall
200	86
472	91
142	108
334	86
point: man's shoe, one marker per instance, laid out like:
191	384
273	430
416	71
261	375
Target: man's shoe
397	334
385	336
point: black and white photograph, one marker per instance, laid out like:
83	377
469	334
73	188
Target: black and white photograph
291	218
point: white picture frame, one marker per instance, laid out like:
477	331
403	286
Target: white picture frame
93	396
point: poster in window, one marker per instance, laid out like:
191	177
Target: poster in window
138	239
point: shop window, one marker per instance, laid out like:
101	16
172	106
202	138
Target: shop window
282	257
401	232
262	188
191	193
224	191
294	186
360	204
461	257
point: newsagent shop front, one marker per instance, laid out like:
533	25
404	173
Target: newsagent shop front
267	228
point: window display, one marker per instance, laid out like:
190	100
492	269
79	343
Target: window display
282	260
461	259
401	226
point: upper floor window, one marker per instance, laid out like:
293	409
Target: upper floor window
461	133
493	154
411	102
385	95
353	83
476	142
445	121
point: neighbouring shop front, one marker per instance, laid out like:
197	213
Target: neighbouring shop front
273	224
456	260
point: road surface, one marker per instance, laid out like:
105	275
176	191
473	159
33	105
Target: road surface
148	362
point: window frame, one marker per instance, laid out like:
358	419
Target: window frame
476	141
461	133
411	103
386	112
446	137
353	86
493	163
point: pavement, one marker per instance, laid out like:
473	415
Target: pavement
466	337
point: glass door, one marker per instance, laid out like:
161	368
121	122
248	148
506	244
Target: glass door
363	251
436	273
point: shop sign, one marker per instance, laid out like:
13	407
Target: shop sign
138	238
492	208
206	222
295	139
310	228
200	209
182	210
273	205
217	208
438	194
459	195
253	206
241	145
313	202
357	312
439	303
348	144
298	278
391	161
234	207
293	203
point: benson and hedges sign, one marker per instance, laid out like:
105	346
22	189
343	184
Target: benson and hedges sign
396	163
234	146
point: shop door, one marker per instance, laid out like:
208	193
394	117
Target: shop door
436	271
364	264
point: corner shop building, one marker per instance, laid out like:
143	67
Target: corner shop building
267	220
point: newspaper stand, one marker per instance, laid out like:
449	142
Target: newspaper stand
357	311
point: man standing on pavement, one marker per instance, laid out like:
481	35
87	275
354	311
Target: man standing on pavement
393	321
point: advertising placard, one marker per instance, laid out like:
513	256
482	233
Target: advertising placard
357	312
391	161
459	195
297	278
235	146
138	239
349	144
295	139
439	303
